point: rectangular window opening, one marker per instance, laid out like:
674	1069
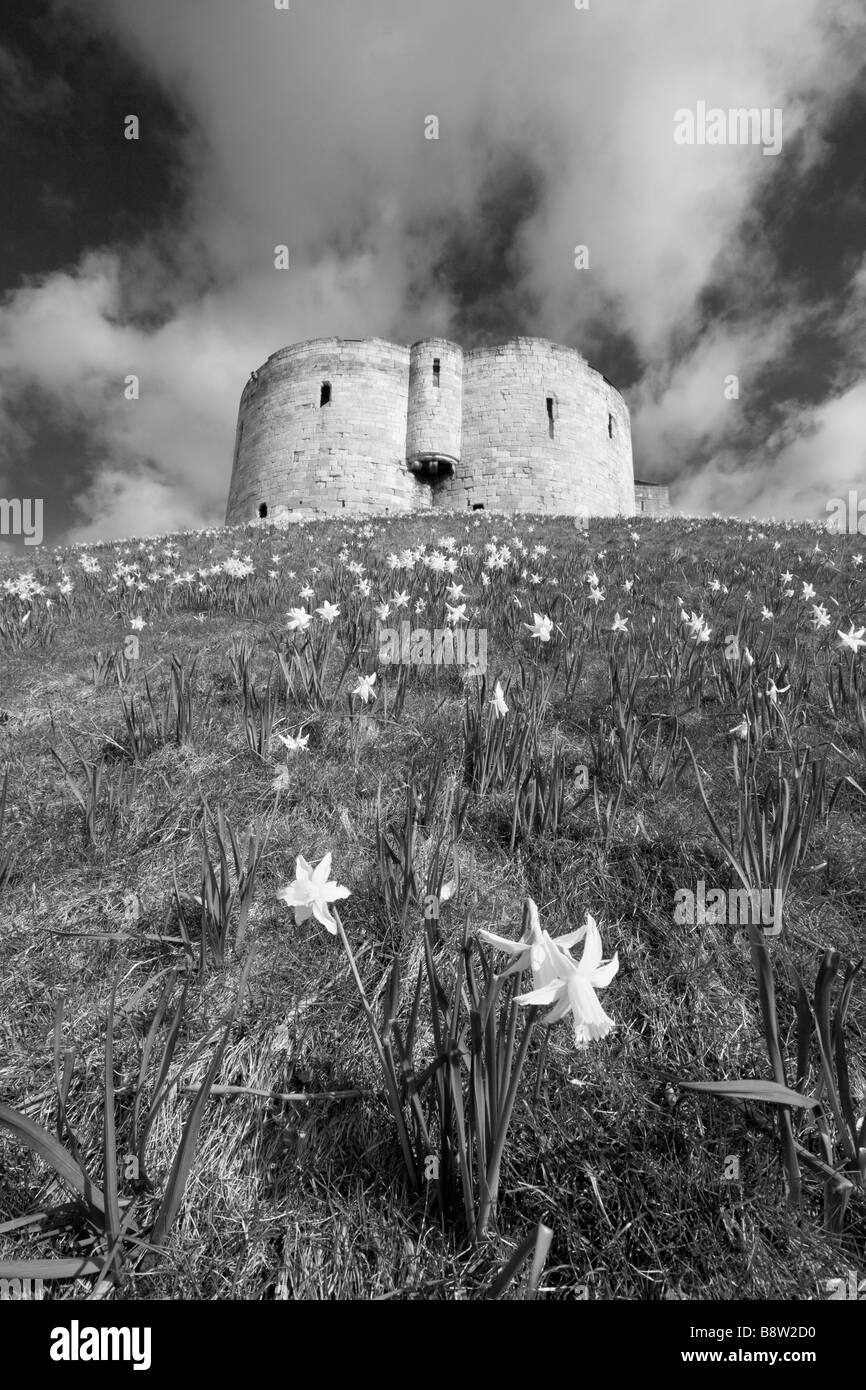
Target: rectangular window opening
550	415
436	365
325	394
610	427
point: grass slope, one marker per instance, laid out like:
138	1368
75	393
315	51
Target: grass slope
307	1198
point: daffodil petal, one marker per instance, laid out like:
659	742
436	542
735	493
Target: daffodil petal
321	914
322	871
592	951
503	943
570	939
545	995
605	973
331	892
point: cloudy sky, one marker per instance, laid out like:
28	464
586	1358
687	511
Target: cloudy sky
306	127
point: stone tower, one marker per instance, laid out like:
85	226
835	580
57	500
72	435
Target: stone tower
363	425
434	414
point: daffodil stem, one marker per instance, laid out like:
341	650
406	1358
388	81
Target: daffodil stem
491	1185
384	1061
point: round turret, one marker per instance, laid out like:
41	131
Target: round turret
434	420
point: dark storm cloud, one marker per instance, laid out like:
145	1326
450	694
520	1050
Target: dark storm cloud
482	266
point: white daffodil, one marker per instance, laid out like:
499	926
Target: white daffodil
700	629
808	591
328	611
559	980
741	731
820	616
364	688
299	619
541	627
852	640
311	893
294	745
619	624
497	700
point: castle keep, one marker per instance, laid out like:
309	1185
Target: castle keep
370	426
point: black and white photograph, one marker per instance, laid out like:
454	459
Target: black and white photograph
432	671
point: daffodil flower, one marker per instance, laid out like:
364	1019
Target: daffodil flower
294	745
299	620
497	700
541	627
311	893
559	980
364	688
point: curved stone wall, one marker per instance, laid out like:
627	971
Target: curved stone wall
372	426
542	431
322	427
